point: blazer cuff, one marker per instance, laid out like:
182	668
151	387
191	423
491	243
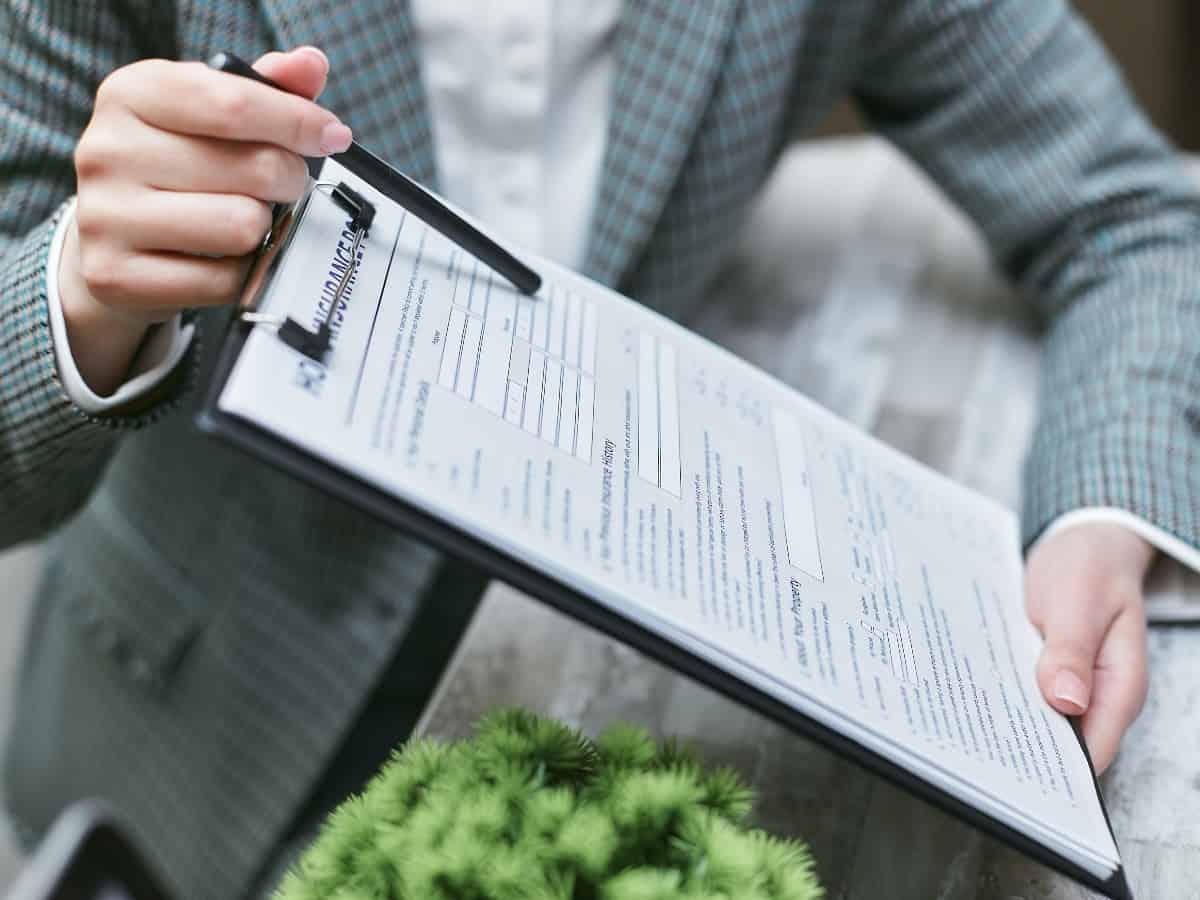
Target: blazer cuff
1143	471
163	349
42	419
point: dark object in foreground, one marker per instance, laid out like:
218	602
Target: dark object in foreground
87	856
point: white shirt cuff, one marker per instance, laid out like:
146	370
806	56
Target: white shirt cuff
158	356
1172	546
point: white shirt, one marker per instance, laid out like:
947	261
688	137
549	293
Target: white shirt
519	94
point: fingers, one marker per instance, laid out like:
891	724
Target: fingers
173	162
174	169
190	98
1084	593
302	71
1119	687
149	283
1074	623
208	224
154	265
178	164
1068	599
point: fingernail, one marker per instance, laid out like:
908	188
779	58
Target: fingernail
1070	687
335	137
319	53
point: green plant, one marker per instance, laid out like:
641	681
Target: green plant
532	810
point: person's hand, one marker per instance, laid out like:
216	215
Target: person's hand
176	171
1084	591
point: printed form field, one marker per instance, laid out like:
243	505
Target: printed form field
658	414
528	360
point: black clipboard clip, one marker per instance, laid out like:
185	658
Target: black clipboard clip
315	344
408	194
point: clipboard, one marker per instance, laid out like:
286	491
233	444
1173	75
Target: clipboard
425	525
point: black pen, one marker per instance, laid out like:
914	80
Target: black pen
424	205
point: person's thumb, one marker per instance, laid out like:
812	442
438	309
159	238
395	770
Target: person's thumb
302	71
1065	671
1077	583
1074	621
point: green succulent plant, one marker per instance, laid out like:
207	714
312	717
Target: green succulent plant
532	810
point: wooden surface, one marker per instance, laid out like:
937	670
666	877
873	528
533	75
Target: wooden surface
943	367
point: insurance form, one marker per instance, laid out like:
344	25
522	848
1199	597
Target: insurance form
667	479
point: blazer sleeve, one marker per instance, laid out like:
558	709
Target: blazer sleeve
1016	110
55	53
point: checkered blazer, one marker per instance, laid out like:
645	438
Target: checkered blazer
193	650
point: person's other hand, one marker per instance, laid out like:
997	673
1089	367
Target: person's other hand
176	172
1084	591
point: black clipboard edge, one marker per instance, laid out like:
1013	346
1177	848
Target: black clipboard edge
442	536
